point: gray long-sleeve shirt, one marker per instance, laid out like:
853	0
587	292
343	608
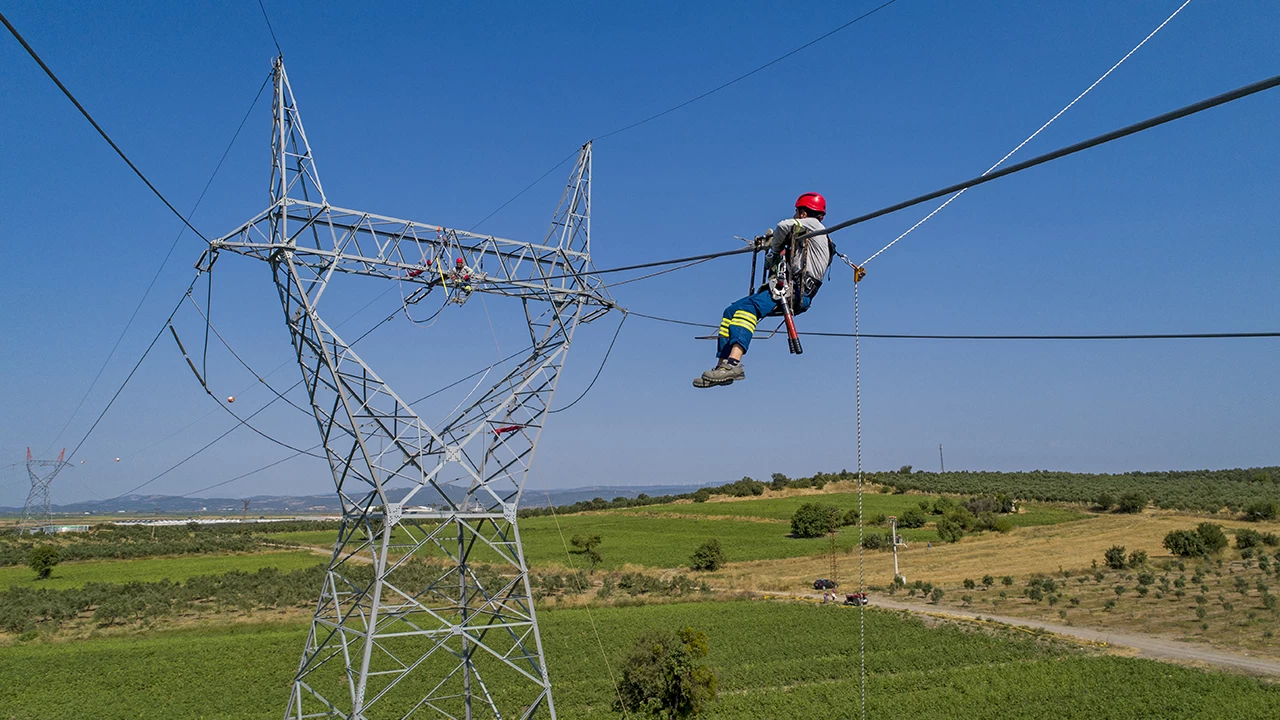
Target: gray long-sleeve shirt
816	255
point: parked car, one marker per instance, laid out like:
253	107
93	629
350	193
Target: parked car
824	584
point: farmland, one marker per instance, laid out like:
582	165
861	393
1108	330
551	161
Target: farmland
76	574
873	504
663	536
774	659
796	661
1199	490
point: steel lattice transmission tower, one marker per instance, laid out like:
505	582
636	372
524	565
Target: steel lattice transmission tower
36	513
396	634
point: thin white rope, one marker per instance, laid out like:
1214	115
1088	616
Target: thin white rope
857	395
604	655
1034	134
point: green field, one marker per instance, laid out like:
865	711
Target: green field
775	660
654	541
872	504
76	574
663	536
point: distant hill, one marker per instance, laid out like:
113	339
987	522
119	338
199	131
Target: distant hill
317	504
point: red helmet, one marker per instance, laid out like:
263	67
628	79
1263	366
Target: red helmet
812	201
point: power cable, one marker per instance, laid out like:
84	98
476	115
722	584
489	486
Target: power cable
211	443
900	336
599	369
240	421
1126	131
744	76
209	326
526	189
251	472
270	29
691	101
172	246
1033	135
31	51
129	377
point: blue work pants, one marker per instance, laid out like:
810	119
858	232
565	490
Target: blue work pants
739	322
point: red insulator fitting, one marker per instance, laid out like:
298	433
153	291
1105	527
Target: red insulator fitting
467	276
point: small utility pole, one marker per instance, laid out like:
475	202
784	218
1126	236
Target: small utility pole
835	569
941	463
244	513
893	539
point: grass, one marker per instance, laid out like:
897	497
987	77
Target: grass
76	574
663	536
654	541
797	661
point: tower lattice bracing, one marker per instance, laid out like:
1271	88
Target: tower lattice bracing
37	514
426	608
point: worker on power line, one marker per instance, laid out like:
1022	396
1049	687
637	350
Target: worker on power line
806	263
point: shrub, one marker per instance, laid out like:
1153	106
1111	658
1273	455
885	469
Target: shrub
1115	557
1215	540
1262	510
1137	558
1006	580
1104	501
701	495
851	517
42	559
708	556
1131	502
664	674
873	541
912	518
969	584
949	530
1246	538
988	581
936	595
1186	543
586	546
813	520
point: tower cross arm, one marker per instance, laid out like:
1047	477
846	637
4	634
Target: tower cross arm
328	239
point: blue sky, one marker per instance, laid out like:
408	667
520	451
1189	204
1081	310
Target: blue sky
442	112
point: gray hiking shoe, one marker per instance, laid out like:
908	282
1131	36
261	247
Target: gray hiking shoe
722	374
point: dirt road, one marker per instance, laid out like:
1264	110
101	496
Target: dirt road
1156	648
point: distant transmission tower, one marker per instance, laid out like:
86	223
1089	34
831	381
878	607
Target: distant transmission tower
395	635
36	513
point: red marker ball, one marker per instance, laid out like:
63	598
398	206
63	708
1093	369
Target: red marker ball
231	398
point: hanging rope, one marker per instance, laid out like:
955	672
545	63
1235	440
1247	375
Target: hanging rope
862	609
